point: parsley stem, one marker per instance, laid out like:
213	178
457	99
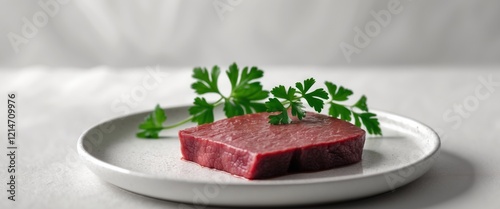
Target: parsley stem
179	123
190	118
219	102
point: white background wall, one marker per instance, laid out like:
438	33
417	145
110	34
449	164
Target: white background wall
193	32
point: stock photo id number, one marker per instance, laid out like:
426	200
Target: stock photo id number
11	147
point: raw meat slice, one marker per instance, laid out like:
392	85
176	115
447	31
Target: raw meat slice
250	147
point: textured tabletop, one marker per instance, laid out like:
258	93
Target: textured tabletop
54	106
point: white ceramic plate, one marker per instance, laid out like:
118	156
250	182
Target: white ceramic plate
154	167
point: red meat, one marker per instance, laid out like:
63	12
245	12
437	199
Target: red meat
250	147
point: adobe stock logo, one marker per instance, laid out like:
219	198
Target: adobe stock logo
202	197
130	100
471	103
40	19
372	29
223	7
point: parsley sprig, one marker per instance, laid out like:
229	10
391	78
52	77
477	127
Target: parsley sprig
359	111
153	124
246	97
291	99
246	92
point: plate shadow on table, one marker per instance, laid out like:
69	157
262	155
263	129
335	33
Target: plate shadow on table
449	177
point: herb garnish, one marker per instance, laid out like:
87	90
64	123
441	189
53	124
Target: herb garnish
317	99
246	97
291	98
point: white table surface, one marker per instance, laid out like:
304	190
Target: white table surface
56	105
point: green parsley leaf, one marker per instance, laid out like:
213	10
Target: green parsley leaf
247	77
371	123
274	105
340	94
246	91
233	73
152	124
202	111
232	108
280	92
248	106
344	112
314	98
357	121
291	98
298	109
339	111
361	103
308	83
206	82
245	96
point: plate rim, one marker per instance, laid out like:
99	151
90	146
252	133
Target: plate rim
84	154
